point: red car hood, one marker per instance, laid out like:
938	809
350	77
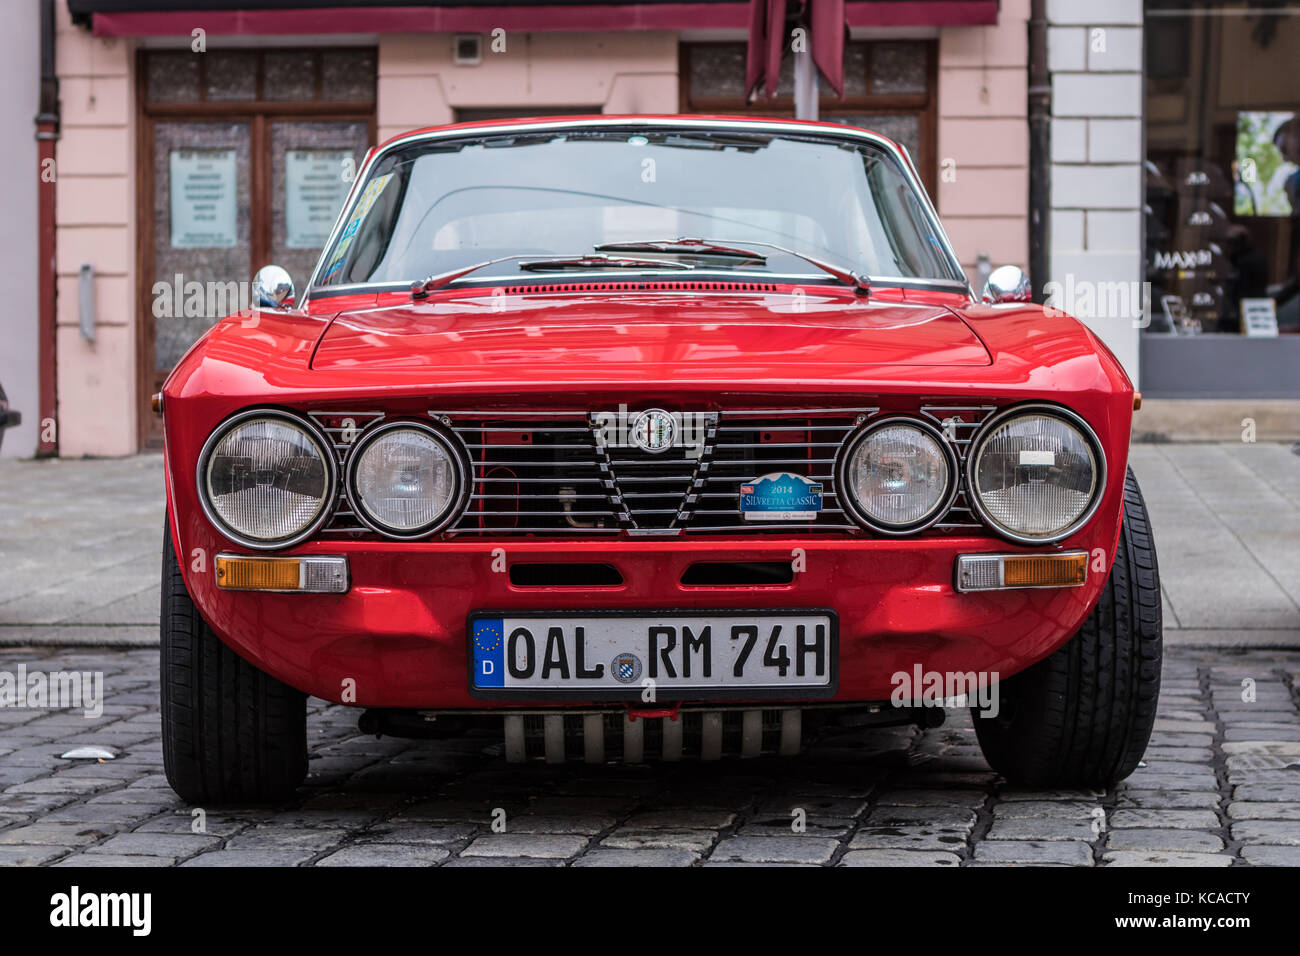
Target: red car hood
686	332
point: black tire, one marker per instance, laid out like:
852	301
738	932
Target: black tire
1082	717
230	733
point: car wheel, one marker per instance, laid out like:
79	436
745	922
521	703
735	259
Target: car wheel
230	733
1082	717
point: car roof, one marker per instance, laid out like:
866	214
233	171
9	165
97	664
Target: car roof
698	120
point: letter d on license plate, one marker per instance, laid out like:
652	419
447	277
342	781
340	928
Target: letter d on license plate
688	655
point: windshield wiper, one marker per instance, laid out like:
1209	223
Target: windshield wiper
529	262
860	284
683	247
422	287
599	262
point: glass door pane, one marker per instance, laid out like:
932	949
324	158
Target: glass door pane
201	232
313	164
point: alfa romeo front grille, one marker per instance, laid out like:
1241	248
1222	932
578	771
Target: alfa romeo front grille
576	472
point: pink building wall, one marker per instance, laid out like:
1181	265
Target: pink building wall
94	221
981	131
419	85
984	132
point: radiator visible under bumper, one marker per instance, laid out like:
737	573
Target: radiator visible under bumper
603	735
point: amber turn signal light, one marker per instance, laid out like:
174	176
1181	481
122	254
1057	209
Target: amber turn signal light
995	572
317	574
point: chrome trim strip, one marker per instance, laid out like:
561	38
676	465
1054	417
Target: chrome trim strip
453	512
323	445
855	509
710	487
977	446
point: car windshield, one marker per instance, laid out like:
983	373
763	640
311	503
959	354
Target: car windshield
441	205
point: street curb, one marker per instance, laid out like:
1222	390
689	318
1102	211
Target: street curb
78	635
1263	638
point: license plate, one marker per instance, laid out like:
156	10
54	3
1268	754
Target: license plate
619	655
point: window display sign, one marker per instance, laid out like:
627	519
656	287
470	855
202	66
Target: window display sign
203	198
1259	318
316	182
1268	150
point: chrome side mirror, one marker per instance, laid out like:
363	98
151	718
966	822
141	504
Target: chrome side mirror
272	288
1007	284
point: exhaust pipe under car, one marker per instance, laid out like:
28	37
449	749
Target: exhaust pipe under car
630	735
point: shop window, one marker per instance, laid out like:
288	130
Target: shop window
248	76
1222	170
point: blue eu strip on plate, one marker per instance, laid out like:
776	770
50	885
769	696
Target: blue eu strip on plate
489	652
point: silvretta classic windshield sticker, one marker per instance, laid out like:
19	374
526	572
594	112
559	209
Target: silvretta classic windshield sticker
781	496
367	200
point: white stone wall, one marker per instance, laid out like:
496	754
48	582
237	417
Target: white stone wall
1095	57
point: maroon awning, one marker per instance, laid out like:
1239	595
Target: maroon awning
768	39
151	18
827	22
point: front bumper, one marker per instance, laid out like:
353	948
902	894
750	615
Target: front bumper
397	638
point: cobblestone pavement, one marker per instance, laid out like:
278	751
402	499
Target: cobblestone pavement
1221	787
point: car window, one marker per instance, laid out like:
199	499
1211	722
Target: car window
433	207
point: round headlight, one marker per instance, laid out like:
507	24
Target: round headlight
266	479
1036	474
898	476
405	480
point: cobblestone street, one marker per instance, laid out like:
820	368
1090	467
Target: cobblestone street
1220	785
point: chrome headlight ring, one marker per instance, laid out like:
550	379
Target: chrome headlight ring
845	494
325	450
1047	410
455	450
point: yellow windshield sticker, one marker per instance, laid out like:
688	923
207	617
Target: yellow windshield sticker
359	212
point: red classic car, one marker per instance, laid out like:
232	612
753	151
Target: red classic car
650	438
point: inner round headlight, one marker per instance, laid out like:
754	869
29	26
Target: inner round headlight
1036	475
405	480
266	479
898	476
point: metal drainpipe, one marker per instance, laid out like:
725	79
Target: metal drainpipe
47	133
805	82
1040	144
